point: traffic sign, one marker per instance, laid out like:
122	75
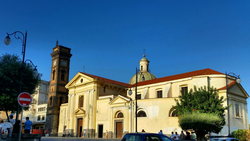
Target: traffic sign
24	99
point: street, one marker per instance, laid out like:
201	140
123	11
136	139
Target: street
75	139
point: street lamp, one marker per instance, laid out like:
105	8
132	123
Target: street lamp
35	72
130	93
238	80
7	41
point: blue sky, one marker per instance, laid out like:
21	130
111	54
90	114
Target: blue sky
108	37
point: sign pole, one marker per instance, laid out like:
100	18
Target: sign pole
20	129
24	99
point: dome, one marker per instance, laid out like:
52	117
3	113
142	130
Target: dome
144	59
147	75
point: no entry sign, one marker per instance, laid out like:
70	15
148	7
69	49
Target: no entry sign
24	99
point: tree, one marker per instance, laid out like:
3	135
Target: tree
199	105
10	76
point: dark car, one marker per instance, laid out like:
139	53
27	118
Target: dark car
145	137
223	139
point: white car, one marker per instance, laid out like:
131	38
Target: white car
223	139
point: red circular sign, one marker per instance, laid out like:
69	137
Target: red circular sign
24	99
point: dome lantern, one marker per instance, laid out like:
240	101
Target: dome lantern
144	73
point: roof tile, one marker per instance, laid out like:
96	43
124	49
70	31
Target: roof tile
179	76
107	80
225	87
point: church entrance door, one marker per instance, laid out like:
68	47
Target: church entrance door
100	131
118	129
79	129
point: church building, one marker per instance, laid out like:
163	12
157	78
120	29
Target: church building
95	105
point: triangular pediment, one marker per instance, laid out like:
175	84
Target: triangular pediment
79	111
119	99
238	90
79	79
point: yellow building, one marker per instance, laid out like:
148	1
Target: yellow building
96	104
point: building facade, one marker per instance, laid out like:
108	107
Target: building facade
38	107
96	104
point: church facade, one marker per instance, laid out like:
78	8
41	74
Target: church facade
97	105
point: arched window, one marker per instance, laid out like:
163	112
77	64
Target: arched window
141	114
50	101
53	75
119	115
173	113
63	74
80	101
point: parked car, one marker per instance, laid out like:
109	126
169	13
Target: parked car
223	139
145	137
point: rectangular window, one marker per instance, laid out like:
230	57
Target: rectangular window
41	109
237	110
43	117
104	89
184	90
138	96
81	99
38	118
159	94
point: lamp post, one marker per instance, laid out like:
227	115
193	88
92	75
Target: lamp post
238	80
130	93
7	41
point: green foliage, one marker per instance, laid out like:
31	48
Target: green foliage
201	121
202	100
241	134
10	76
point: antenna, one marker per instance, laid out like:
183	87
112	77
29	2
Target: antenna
83	68
144	51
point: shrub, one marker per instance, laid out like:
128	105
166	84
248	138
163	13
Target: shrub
201	123
241	134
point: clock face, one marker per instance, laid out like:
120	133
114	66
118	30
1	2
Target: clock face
54	63
64	63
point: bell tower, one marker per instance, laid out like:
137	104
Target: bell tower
58	94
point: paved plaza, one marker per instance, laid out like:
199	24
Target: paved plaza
75	139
